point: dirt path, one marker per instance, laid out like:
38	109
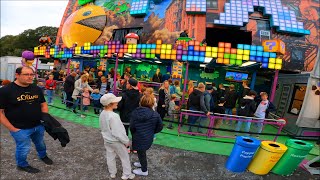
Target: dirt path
83	159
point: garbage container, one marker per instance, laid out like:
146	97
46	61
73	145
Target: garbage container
266	157
297	151
242	153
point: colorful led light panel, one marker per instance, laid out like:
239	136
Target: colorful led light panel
236	13
196	6
139	7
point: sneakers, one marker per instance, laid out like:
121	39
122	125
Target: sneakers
112	176
47	160
137	164
131	176
170	127
82	116
28	169
140	172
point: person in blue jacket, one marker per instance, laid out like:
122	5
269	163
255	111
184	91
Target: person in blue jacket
144	123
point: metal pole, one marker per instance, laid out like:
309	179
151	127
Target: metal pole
274	85
253	80
68	67
115	77
185	82
37	62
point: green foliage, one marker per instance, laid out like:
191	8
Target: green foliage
14	45
210	76
83	2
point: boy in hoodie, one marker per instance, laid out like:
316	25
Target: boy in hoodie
115	138
196	103
129	102
247	108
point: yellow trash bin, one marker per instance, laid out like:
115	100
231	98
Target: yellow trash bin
267	156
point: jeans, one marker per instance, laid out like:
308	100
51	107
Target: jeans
84	107
247	125
50	95
76	103
69	99
228	111
171	121
260	125
192	119
97	106
23	143
142	155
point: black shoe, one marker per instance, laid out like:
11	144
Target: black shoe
170	127
74	111
28	169
47	160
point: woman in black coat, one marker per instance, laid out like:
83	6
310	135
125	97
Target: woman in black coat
164	99
144	123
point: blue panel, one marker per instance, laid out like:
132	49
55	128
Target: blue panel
266	54
273	55
240	46
265	60
246	47
258	59
253	48
259	48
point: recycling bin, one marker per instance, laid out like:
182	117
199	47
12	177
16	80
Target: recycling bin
297	151
242	153
266	157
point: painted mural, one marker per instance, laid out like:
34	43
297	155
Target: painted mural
166	19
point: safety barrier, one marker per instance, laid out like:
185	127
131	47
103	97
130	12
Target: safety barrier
216	118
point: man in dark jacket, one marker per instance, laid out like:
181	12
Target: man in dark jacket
247	108
231	99
69	87
55	74
98	82
221	91
197	103
129	102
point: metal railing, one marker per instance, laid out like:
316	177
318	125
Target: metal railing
216	117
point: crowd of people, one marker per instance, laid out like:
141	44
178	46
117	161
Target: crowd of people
140	112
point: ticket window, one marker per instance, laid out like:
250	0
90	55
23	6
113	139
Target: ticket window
299	92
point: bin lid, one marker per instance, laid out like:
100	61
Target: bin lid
273	146
246	141
299	144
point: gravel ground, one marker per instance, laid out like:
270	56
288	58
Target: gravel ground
83	159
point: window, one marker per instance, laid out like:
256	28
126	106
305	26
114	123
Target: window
212	4
297	98
119	34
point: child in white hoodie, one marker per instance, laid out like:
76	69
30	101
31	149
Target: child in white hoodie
115	138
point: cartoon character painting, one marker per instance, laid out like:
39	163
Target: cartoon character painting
27	58
132	38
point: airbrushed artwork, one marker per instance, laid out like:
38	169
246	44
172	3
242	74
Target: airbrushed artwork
166	19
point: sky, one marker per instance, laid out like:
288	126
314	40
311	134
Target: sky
17	16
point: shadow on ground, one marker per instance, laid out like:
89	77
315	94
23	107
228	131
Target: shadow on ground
84	159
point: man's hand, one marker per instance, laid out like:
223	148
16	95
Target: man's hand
208	113
14	130
128	144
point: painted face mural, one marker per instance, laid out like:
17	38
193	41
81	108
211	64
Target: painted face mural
27	58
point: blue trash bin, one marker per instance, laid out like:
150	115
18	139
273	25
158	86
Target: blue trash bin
242	153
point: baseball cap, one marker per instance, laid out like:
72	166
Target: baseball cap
109	98
133	83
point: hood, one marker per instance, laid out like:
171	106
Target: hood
246	99
144	113
196	92
132	93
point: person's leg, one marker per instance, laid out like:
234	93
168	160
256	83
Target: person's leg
171	121
238	126
23	145
260	126
201	119
127	129
142	155
76	103
247	125
111	158
37	138
192	121
121	151
49	95
69	99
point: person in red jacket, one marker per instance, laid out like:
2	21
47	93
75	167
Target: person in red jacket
50	87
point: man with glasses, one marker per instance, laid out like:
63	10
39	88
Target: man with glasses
21	106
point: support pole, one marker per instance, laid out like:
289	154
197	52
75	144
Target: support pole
115	77
36	69
253	80
185	83
274	85
68	67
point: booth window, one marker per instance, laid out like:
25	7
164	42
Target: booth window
299	92
212	4
119	34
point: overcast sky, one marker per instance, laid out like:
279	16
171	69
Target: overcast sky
17	16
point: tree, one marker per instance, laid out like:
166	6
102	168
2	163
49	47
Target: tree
14	45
